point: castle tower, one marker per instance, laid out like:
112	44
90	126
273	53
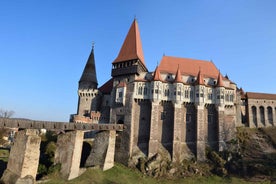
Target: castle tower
220	89
200	120
130	59
87	91
179	143
155	105
125	68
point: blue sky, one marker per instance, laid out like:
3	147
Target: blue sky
44	45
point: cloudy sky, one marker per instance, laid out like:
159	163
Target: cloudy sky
44	45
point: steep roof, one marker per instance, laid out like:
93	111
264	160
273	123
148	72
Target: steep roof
89	71
266	96
132	46
156	75
106	88
178	77
220	81
188	66
199	80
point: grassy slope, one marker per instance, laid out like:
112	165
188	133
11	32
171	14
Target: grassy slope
120	174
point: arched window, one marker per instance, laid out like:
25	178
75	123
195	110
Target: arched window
270	115
262	115
254	115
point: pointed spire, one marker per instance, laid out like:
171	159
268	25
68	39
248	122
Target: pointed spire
89	73
220	81
178	77
156	75
132	46
199	80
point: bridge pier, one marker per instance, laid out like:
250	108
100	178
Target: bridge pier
68	153
24	158
103	150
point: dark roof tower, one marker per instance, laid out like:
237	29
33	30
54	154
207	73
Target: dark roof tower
89	78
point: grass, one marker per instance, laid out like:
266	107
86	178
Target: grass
4	155
120	174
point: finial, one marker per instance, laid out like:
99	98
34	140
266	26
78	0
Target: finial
93	44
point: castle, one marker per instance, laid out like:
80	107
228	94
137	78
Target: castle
184	106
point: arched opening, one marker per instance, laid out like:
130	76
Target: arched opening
270	115
262	115
120	121
254	115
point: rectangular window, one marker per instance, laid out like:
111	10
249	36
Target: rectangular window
120	94
186	94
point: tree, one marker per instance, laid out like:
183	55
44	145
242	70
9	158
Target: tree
6	113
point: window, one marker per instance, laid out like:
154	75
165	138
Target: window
145	90
186	94
120	94
163	115
210	96
188	118
140	90
231	98
166	92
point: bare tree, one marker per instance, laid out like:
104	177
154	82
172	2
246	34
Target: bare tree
6	113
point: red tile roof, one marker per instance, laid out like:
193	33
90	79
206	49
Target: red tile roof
168	64
156	75
132	46
220	81
106	88
178	77
266	96
199	80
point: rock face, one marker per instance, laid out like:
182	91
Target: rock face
24	158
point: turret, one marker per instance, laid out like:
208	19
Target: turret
156	85
178	87
220	89
199	89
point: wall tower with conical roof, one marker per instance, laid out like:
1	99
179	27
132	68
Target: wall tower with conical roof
87	91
